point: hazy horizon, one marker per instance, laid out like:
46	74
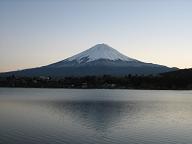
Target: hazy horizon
36	33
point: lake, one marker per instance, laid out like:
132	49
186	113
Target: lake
72	116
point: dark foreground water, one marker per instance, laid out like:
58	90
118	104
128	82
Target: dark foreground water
60	116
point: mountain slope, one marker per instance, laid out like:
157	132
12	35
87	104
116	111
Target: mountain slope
98	60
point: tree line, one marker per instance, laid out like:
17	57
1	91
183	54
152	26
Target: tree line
161	82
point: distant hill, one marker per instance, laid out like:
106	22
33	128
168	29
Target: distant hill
100	59
181	73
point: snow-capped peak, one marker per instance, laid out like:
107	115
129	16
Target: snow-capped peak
99	51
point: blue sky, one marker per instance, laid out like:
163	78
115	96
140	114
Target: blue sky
38	32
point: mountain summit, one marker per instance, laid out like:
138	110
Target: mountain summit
99	51
100	59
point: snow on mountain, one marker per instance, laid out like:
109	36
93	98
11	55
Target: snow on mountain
99	51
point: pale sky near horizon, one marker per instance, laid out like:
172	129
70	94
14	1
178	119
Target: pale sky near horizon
39	32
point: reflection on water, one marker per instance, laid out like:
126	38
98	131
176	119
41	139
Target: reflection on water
101	121
97	115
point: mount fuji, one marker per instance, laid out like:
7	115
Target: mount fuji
100	59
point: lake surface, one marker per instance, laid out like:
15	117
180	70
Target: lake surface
69	116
